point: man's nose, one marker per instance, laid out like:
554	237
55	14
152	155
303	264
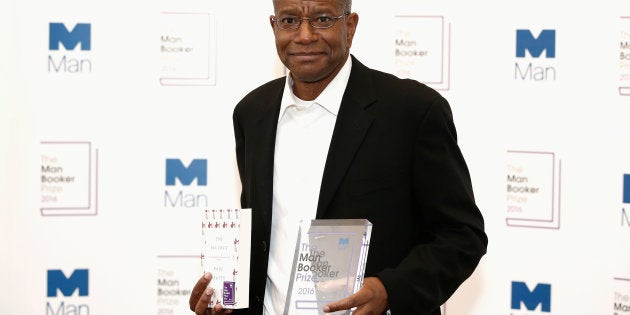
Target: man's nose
306	32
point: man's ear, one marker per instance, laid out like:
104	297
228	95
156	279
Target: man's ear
352	20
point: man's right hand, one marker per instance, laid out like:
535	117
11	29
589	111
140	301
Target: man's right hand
200	298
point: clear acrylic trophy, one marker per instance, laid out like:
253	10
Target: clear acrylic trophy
328	265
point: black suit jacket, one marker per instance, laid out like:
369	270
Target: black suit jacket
394	160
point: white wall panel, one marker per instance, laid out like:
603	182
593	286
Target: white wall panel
130	106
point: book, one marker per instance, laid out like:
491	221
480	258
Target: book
226	244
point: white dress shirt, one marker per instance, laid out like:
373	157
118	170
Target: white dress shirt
302	141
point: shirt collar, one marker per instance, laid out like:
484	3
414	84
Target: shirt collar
329	99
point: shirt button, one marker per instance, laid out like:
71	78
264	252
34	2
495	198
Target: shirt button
264	246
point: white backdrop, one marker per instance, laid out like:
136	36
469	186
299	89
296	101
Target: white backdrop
159	83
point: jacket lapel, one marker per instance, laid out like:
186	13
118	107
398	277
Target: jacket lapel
351	127
263	145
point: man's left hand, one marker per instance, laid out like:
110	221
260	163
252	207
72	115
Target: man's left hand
371	299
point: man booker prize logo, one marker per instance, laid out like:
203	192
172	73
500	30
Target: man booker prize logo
422	49
69	178
533	192
624	56
621	296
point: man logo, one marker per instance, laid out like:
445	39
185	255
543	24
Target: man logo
625	217
546	41
541	295
81	33
344	243
626	188
58	281
198	169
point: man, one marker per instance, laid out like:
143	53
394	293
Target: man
335	139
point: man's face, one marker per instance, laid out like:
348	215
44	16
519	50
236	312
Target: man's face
312	54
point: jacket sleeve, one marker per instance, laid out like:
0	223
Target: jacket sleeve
239	142
454	226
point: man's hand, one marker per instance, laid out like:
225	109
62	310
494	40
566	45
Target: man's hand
200	298
371	299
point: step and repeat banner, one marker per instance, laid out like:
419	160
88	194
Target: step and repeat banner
117	131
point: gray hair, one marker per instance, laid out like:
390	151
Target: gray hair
346	5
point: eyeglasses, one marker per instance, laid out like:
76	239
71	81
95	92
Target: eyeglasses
291	23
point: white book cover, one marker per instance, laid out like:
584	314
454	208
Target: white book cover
226	244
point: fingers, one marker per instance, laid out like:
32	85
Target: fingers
356	299
344	304
198	292
218	309
202	304
200	298
370	299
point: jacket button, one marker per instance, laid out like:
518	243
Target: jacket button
264	246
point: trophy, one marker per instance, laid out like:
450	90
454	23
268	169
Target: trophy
328	264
